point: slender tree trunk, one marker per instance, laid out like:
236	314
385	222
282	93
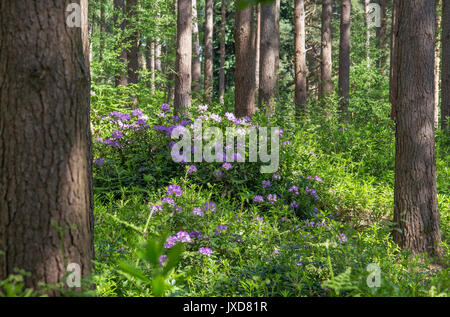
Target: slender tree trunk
102	29
437	64
415	194
119	6
326	87
445	72
152	67
366	12
209	23
184	57
133	52
381	37
245	62
344	57
223	12
46	219
196	65
300	56
268	57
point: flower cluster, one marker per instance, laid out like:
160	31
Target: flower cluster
174	189
179	237
205	251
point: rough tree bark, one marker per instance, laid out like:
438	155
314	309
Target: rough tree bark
245	63
326	85
415	194
119	6
133	51
223	13
45	142
269	46
366	15
184	57
445	72
196	65
344	56
257	45
300	56
209	28
437	64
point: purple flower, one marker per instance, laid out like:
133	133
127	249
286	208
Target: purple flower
205	251
192	169
138	113
202	108
342	238
276	252
227	165
276	176
170	242
169	201
221	228
174	189
198	211
217	173
112	143
117	134
98	139
195	235
272	198
318	178
165	107
265	184
209	206
294	204
142	169
99	162
162	260
294	189
183	236
216	117
258	199
154	209
178	208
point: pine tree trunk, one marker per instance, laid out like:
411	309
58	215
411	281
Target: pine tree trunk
257	45
415	195
366	14
196	65
245	63
300	56
268	58
102	29
119	6
445	72
209	23
326	87
344	57
184	57
133	51
45	143
223	12
437	64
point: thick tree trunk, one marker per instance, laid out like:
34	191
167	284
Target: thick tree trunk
445	72
269	46
300	56
326	86
208	85
245	63
184	57
223	12
257	45
196	65
344	57
119	6
133	51
415	195
46	219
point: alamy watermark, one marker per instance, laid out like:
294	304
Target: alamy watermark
73	19
184	151
374	278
